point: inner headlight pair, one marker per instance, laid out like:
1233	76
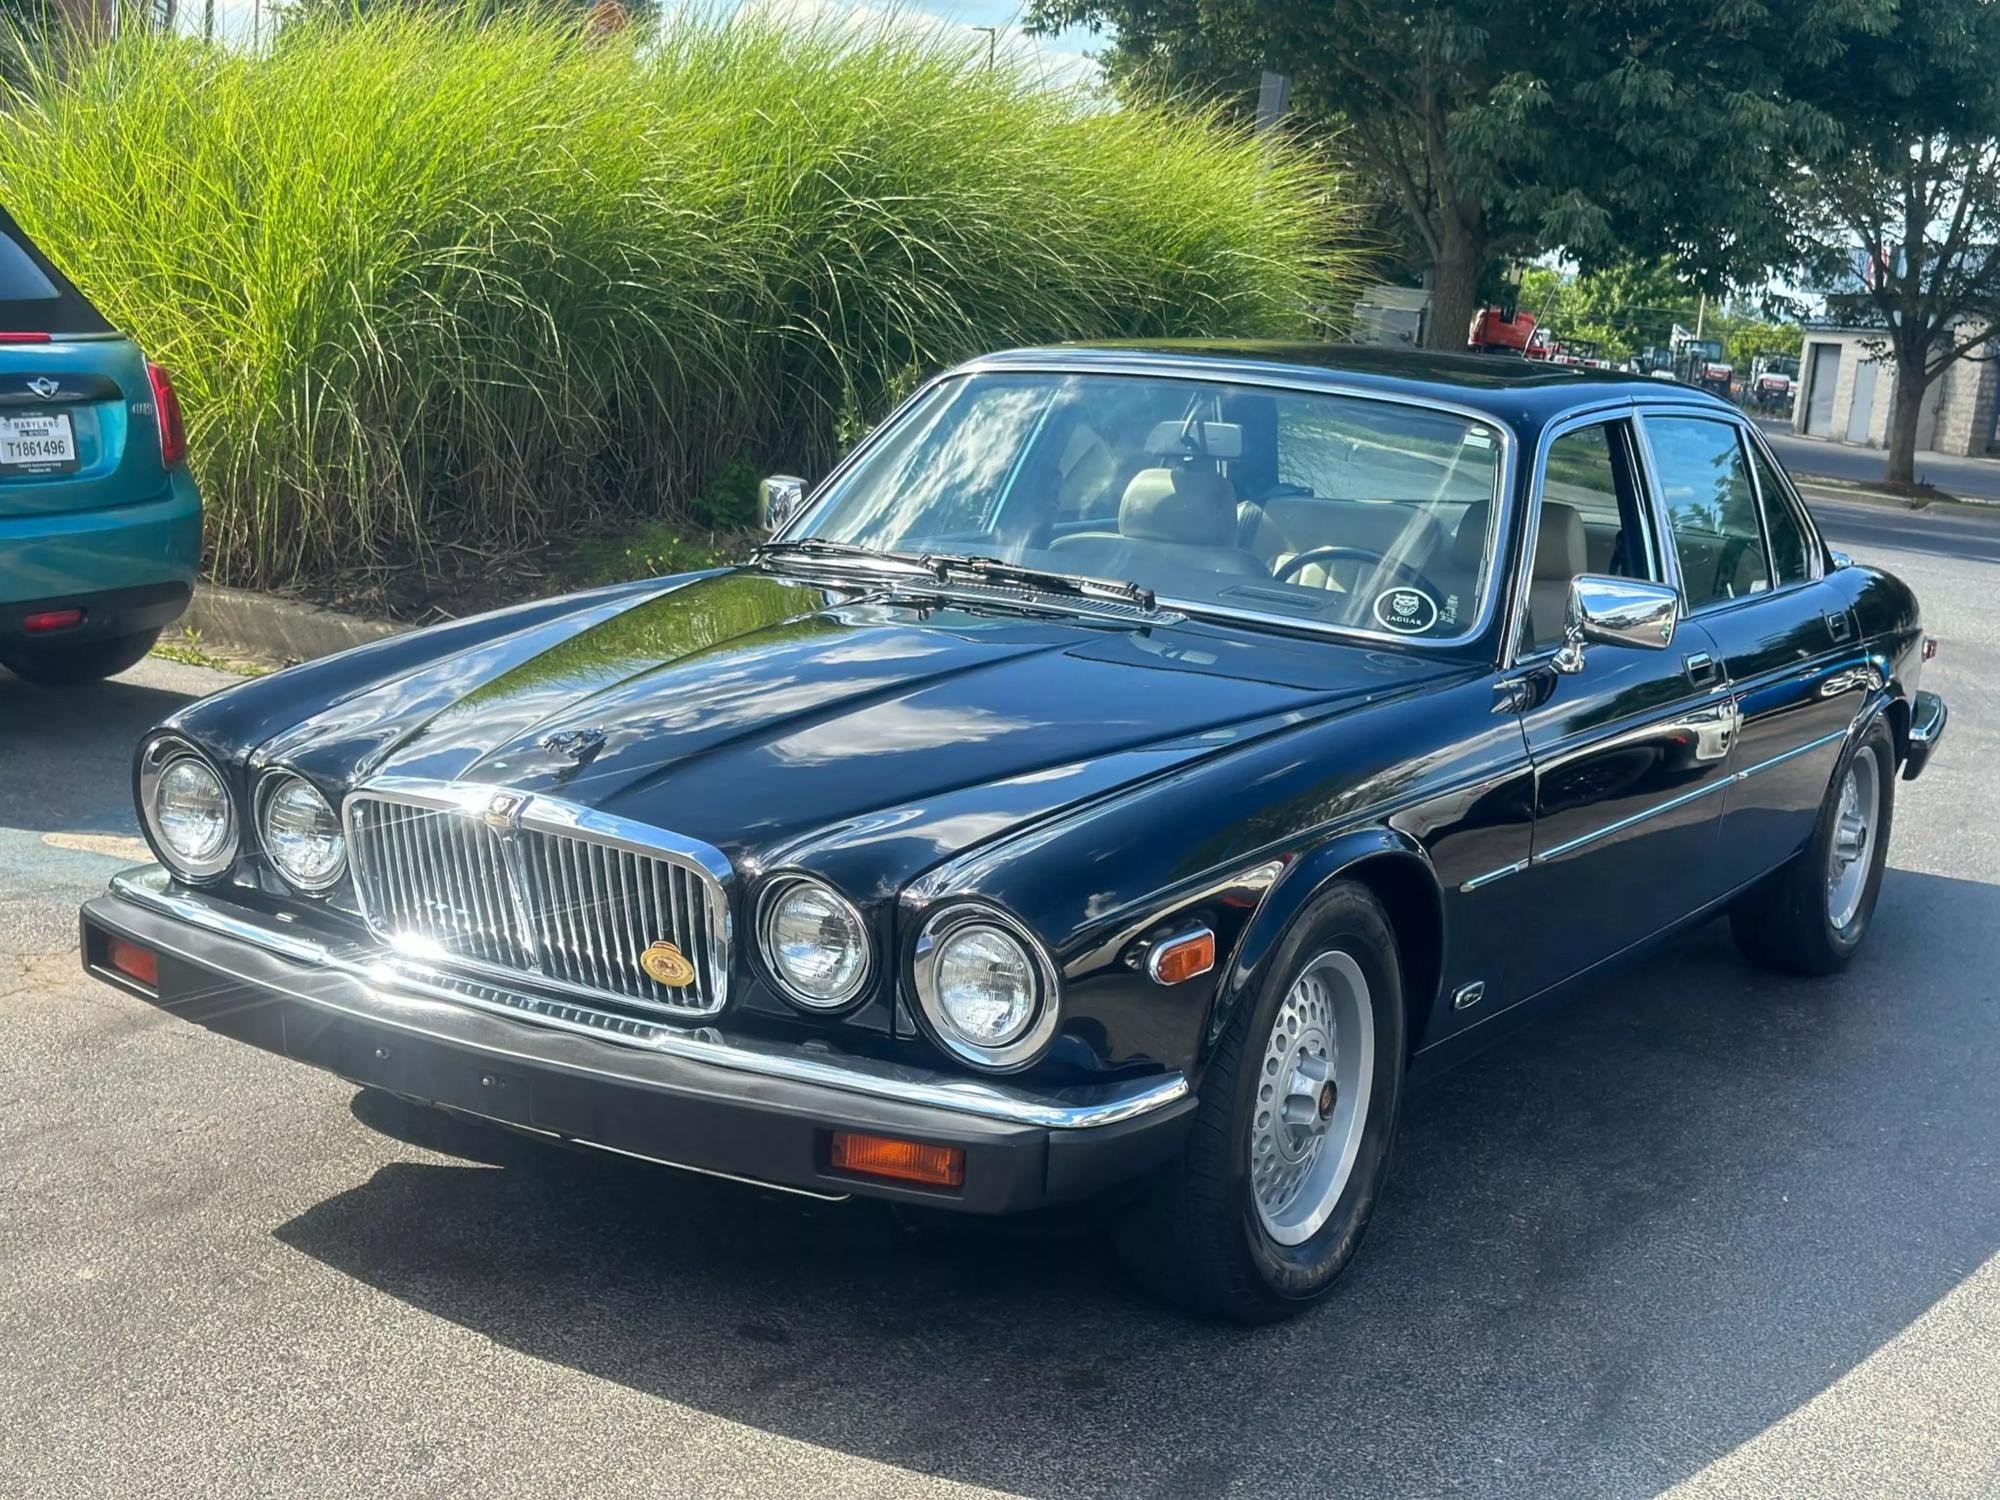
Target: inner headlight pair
984	984
188	810
301	833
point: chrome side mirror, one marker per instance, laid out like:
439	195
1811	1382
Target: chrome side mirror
779	498
1616	612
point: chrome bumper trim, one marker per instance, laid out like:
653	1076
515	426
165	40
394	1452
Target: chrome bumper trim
1927	720
397	983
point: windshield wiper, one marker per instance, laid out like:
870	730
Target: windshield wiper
819	547
947	566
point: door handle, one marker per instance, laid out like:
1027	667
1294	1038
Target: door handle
1703	670
1839	626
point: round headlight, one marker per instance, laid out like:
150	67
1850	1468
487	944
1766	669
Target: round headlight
986	986
301	834
187	808
815	943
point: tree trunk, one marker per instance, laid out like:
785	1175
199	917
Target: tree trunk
1911	383
1455	286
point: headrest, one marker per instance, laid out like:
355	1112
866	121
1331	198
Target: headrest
1562	550
1179	505
1468	543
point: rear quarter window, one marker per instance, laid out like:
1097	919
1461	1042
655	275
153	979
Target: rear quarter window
21	280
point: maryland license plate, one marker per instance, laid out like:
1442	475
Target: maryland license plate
44	443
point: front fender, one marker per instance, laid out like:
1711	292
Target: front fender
1387	859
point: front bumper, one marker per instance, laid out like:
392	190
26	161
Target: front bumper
1927	721
700	1099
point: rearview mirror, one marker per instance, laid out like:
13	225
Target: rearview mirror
779	498
1616	612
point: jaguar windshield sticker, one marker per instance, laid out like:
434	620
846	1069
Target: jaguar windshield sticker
1407	611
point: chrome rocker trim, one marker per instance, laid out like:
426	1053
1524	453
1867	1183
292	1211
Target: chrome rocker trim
423	1000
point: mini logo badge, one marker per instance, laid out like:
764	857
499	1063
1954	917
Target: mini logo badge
44	387
668	965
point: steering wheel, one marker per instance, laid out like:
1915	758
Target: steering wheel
1403	573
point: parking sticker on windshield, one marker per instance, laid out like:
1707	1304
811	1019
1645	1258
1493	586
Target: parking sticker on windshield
1406	611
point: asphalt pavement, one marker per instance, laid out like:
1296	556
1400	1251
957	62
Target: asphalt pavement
1705	1233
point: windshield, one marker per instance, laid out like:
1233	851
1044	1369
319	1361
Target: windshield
1333	510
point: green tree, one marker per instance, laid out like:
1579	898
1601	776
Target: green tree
1497	128
1914	198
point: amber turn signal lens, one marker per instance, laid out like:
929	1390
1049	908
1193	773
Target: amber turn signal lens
134	962
906	1161
1183	958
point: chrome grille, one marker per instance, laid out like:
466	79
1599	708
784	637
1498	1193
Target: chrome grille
538	887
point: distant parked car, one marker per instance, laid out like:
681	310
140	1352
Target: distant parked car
1117	778
100	521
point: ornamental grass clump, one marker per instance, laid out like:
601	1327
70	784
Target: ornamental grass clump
425	284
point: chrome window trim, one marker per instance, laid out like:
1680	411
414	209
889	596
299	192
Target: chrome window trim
1512	653
157	754
541	813
776	886
1276	378
1792	500
153	888
1041	1029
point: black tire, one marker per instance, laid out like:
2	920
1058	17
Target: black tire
1784	923
1195	1237
87	661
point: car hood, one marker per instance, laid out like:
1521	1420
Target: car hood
770	716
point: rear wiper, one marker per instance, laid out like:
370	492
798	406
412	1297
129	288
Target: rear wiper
947	566
820	547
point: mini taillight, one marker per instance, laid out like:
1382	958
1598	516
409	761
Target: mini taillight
51	619
905	1161
167	406
23	338
134	962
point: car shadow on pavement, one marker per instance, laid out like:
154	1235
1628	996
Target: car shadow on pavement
1612	1249
66	754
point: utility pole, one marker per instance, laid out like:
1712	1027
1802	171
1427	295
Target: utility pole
1700	314
992	43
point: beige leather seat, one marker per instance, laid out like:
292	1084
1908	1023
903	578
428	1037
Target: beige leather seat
1281	528
1562	551
1181	518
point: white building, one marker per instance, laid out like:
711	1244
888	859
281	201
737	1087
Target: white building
1846	389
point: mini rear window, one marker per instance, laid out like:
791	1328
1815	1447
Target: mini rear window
21	280
35	296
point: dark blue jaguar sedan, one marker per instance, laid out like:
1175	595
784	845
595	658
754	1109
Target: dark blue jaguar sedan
1116	780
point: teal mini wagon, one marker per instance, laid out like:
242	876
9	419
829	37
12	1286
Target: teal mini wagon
100	521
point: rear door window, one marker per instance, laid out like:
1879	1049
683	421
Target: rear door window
1711	508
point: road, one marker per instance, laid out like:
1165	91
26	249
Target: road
1977	477
1707	1234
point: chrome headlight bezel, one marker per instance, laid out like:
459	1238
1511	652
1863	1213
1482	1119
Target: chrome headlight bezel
1024	1049
157	757
774	892
274	781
